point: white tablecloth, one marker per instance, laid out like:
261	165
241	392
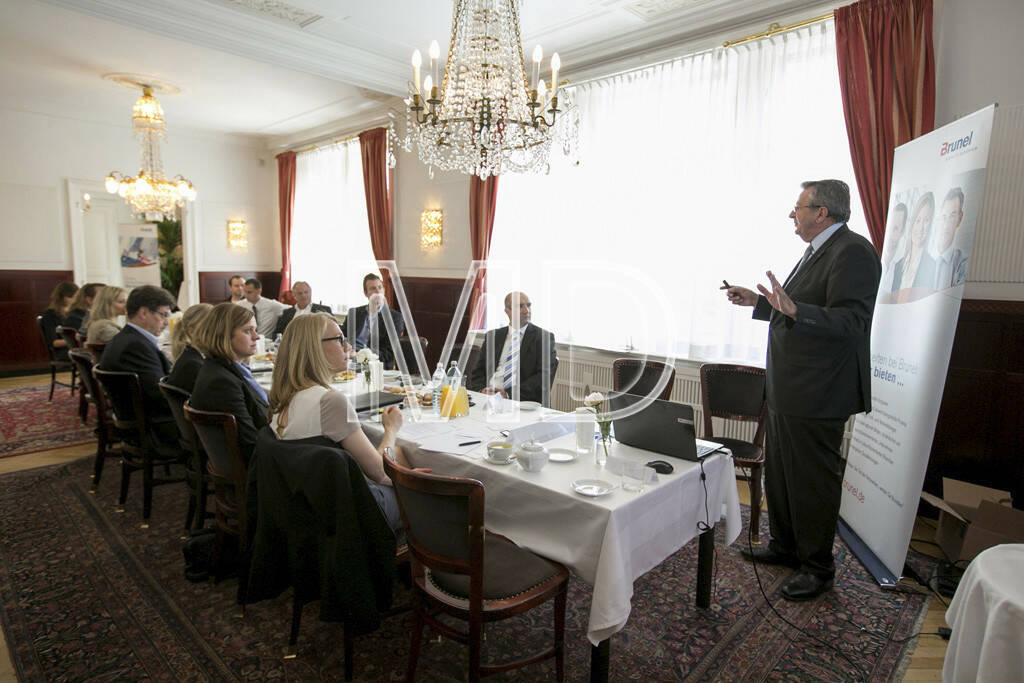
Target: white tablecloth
987	619
609	541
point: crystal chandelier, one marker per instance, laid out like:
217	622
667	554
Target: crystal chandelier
150	193
484	117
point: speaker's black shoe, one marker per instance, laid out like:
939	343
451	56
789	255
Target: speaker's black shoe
765	555
805	586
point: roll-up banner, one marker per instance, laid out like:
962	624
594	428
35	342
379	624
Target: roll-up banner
937	184
140	257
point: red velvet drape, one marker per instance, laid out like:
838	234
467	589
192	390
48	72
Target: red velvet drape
887	78
285	205
377	179
483	197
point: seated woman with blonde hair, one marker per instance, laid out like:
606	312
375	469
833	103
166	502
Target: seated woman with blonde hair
185	356
110	303
303	405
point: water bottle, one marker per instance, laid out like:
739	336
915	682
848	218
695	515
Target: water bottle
454	377
435	384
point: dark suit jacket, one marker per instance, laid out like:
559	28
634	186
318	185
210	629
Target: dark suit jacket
186	369
819	364
354	323
286	317
74	319
925	273
49	320
222	388
536	369
130	351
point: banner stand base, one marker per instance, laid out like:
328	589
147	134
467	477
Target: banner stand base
882	576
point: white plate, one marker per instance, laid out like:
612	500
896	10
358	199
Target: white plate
592	487
562	454
392	374
528	405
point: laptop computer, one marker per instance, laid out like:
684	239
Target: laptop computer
663	427
378	399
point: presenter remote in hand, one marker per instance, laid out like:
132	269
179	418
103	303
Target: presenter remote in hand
817	375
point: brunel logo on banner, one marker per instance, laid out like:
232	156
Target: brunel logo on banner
960	143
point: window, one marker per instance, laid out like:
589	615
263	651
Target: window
688	171
330	231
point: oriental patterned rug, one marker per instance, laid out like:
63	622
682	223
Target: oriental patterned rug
85	593
30	423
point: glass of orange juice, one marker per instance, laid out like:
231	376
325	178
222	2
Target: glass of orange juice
454	403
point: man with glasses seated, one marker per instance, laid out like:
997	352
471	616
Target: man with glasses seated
136	349
304	305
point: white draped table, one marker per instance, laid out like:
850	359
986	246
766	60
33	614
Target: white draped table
986	617
609	541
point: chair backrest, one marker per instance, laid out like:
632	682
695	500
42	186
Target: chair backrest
639	377
85	362
444	520
176	397
70	335
410	357
218	434
96	348
733	392
125	393
48	343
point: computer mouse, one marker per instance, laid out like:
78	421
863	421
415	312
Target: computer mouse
660	466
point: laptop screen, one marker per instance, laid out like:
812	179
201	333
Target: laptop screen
662	427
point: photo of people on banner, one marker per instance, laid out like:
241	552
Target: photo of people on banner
928	239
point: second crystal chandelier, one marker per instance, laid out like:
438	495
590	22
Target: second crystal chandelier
483	116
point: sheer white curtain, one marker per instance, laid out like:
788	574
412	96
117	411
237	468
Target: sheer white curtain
330	232
687	174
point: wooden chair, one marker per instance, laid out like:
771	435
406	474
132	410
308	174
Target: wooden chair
736	392
96	348
639	377
74	341
56	364
196	475
139	451
218	434
106	435
461	569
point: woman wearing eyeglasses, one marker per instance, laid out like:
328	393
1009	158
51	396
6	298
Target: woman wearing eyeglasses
226	338
303	405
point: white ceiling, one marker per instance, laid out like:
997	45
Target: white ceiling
275	68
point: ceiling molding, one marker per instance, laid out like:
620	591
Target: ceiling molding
350	125
242	33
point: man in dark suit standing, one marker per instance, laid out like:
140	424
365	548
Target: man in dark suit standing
518	360
136	349
818	374
363	320
303	294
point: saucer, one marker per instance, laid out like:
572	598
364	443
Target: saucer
562	454
592	487
528	405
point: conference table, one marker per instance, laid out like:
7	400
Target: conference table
607	541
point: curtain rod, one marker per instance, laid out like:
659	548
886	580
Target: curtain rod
775	28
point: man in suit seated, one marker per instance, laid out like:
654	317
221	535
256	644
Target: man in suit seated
266	311
818	374
136	349
363	320
236	285
303	294
517	361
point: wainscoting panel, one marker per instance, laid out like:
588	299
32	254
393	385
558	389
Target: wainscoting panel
433	301
213	286
24	294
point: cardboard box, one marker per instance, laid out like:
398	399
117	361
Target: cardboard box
973	518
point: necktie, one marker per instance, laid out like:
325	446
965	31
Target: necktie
807	255
255	317
511	359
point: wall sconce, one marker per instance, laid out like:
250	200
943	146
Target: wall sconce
85	204
431	224
238	234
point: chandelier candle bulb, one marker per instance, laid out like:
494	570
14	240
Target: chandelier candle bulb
417	60
435	52
538	55
556	64
428	87
542	92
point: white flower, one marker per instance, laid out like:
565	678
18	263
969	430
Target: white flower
594	399
365	354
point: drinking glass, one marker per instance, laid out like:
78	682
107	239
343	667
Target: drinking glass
585	430
633	476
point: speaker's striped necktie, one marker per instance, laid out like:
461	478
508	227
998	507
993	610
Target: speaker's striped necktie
511	360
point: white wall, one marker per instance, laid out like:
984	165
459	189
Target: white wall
415	192
40	152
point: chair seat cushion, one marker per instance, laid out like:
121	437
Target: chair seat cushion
508	571
741	450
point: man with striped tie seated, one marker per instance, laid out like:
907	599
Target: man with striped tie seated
517	361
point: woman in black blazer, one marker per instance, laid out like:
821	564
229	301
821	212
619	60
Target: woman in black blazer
51	318
224	384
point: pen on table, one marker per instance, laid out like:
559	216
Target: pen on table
469	443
